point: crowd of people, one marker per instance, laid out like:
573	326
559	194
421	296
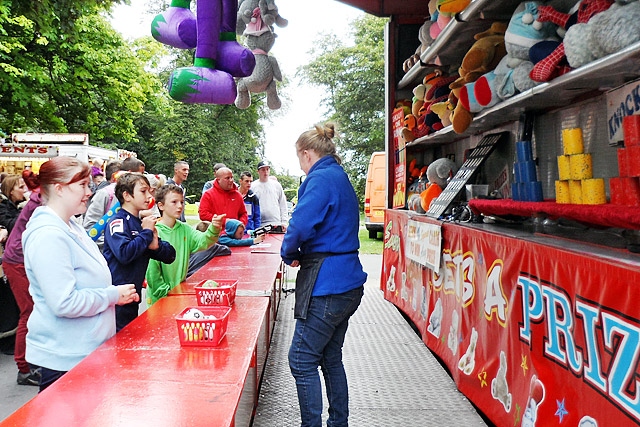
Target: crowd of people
80	240
73	230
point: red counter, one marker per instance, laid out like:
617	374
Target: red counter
535	330
142	376
259	271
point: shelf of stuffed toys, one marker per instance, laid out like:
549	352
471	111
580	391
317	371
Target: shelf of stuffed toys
450	35
598	76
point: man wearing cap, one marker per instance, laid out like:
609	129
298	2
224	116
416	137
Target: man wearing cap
273	203
223	198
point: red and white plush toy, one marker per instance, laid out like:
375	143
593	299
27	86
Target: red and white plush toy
554	64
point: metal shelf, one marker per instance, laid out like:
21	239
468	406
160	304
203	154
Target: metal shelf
457	37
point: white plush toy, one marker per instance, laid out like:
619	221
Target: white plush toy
606	33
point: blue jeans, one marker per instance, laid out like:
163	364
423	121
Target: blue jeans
48	377
317	341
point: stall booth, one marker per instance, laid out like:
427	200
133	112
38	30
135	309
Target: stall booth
522	275
30	150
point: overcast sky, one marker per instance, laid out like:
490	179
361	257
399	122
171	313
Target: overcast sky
306	21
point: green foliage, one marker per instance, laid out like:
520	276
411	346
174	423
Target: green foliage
64	69
202	135
290	186
353	79
367	245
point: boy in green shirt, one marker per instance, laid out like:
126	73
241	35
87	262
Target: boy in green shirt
161	278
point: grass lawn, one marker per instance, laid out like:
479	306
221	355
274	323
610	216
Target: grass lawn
367	245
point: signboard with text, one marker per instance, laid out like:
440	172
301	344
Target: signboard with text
532	334
28	150
621	102
424	243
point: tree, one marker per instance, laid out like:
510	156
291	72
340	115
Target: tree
202	135
64	69
353	79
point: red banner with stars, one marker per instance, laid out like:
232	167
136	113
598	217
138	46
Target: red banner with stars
533	335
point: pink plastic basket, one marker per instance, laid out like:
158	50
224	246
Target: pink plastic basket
224	294
206	332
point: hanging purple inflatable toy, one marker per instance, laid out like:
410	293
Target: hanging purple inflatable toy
219	57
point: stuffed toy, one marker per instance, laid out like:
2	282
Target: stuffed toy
260	39
439	20
414	127
410	124
268	14
439	173
460	118
416	184
554	63
482	57
443	111
218	57
511	75
405	104
436	90
425	42
418	99
606	33
452	6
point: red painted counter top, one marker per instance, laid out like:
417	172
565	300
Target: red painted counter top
142	376
255	268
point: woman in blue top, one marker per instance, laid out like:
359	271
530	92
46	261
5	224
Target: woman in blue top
322	238
69	280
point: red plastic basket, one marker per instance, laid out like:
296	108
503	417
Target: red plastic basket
224	294
206	332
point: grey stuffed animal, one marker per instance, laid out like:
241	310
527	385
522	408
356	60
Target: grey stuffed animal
265	73
441	170
268	13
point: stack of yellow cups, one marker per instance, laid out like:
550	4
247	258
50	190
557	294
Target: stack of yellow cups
575	169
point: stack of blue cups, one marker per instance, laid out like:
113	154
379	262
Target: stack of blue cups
526	187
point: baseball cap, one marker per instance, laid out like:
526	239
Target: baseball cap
263	164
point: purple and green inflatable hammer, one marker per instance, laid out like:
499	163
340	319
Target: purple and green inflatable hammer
219	57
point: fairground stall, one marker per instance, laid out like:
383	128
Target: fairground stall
511	228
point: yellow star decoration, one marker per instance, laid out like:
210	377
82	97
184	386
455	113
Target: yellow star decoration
524	365
517	415
397	290
482	376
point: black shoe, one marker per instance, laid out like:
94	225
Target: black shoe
29	378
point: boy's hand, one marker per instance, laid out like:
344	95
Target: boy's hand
258	239
218	221
149	222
